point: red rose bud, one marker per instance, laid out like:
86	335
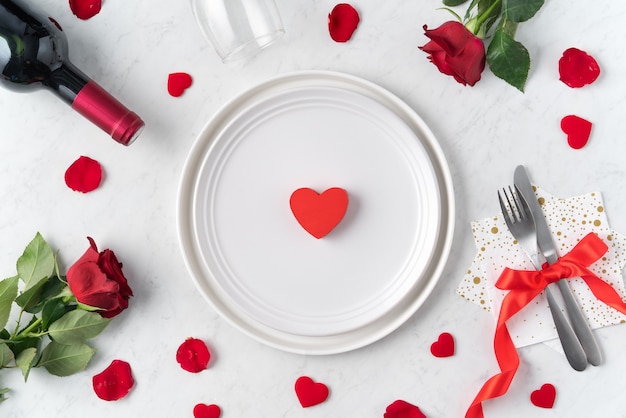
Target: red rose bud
342	22
114	382
97	280
577	68
193	355
456	52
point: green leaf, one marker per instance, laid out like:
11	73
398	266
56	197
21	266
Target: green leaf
3	391
36	263
8	292
33	299
6	355
53	310
25	361
64	360
508	59
452	3
77	326
23	344
521	10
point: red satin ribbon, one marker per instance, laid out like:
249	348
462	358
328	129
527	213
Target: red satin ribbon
523	287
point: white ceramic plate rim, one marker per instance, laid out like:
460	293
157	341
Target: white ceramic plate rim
354	338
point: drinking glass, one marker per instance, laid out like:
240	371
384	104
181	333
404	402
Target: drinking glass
238	28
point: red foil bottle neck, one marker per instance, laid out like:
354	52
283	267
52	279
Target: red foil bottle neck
97	105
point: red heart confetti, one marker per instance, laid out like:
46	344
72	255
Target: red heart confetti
193	355
83	175
177	83
342	22
444	346
544	397
402	409
114	382
206	411
577	130
85	9
317	213
309	392
577	68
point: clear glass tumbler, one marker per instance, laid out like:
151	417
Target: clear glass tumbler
238	28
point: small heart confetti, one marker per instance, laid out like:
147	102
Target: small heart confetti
544	397
206	411
577	68
577	130
402	409
310	393
444	346
177	83
317	213
342	22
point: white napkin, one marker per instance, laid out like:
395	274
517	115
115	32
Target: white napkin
569	220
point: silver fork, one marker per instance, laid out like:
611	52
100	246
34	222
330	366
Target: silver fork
520	222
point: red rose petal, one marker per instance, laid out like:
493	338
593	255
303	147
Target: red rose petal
444	346
193	355
577	130
206	411
544	397
114	382
310	393
402	409
84	175
177	83
577	68
342	22
85	9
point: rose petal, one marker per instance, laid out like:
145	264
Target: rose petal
193	355
577	68
342	22
84	175
177	83
403	409
85	9
114	382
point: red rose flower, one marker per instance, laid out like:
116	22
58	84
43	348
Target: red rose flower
456	52
97	280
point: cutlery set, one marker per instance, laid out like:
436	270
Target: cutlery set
526	222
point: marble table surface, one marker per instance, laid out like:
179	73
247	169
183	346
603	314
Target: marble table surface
484	131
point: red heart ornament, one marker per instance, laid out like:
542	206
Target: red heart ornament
310	393
577	130
206	411
544	397
318	213
402	409
177	83
444	346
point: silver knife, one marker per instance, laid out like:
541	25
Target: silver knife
547	247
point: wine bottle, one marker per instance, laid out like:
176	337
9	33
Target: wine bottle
34	54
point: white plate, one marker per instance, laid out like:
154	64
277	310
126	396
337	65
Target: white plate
253	261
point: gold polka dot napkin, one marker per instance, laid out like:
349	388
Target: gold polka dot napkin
569	220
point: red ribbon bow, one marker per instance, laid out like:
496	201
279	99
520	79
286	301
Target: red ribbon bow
523	287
